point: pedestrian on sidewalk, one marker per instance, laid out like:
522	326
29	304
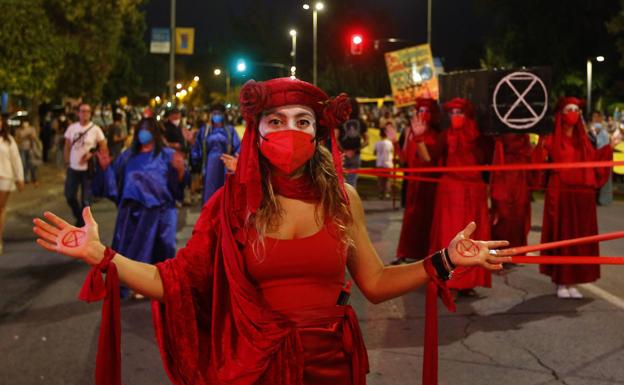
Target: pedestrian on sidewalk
258	294
383	159
30	151
82	139
11	173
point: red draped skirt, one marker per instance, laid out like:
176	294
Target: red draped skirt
333	348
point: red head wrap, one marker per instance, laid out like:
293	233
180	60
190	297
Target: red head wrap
257	97
463	104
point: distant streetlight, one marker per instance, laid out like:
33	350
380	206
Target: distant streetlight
217	71
190	89
241	66
179	86
293	72
318	6
599	59
293	52
196	78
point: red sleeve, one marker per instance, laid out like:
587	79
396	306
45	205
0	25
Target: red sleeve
182	317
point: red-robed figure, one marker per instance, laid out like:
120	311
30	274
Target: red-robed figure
462	196
257	296
510	191
421	149
570	201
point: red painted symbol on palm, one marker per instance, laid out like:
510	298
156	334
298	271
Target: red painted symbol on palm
73	238
467	248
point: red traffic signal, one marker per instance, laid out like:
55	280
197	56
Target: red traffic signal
357	44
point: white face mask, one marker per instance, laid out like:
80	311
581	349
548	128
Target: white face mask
176	122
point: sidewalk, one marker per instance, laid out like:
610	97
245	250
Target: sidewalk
51	183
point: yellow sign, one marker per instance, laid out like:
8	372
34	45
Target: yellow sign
185	41
412	74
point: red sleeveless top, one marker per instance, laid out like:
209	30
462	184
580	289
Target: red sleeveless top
301	273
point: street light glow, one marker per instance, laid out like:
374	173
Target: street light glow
600	58
190	88
179	86
241	66
196	78
217	71
157	99
293	32
319	6
306	6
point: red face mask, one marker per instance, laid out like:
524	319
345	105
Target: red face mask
287	150
425	116
571	118
457	121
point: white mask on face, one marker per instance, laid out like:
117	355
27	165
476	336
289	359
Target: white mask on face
176	122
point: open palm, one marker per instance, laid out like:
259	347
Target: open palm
57	235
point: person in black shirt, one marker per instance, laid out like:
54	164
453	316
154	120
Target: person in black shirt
352	138
173	131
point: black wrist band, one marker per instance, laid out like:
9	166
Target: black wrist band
438	263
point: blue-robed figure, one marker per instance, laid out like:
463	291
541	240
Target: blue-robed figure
145	182
214	139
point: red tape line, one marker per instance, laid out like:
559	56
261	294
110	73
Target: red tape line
494	167
568	260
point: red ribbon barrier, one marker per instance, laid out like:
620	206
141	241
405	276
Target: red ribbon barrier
495	167
563	243
568	260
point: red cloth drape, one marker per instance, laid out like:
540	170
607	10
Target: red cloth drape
510	192
420	198
108	359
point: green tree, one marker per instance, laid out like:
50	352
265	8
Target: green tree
31	53
92	31
616	28
125	79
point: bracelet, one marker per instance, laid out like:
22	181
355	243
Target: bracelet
440	262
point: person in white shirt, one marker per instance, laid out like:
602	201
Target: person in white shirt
384	154
82	139
11	173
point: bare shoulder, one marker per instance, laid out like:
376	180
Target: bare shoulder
355	203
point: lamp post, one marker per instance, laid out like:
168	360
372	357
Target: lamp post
172	47
599	59
219	72
318	6
293	52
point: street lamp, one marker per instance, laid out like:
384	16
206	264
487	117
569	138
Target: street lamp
218	72
599	59
318	6
241	66
196	78
293	52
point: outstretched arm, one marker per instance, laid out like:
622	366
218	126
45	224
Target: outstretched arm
379	283
83	243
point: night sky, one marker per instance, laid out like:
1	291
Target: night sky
458	26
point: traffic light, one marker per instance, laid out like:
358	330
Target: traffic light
357	44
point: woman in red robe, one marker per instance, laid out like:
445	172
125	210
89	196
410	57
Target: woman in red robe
462	196
510	190
421	149
570	201
256	296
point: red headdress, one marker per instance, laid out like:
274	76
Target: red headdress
432	104
463	104
257	97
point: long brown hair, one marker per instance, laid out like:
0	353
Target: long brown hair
323	174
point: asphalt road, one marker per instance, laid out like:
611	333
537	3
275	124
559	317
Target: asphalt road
517	333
